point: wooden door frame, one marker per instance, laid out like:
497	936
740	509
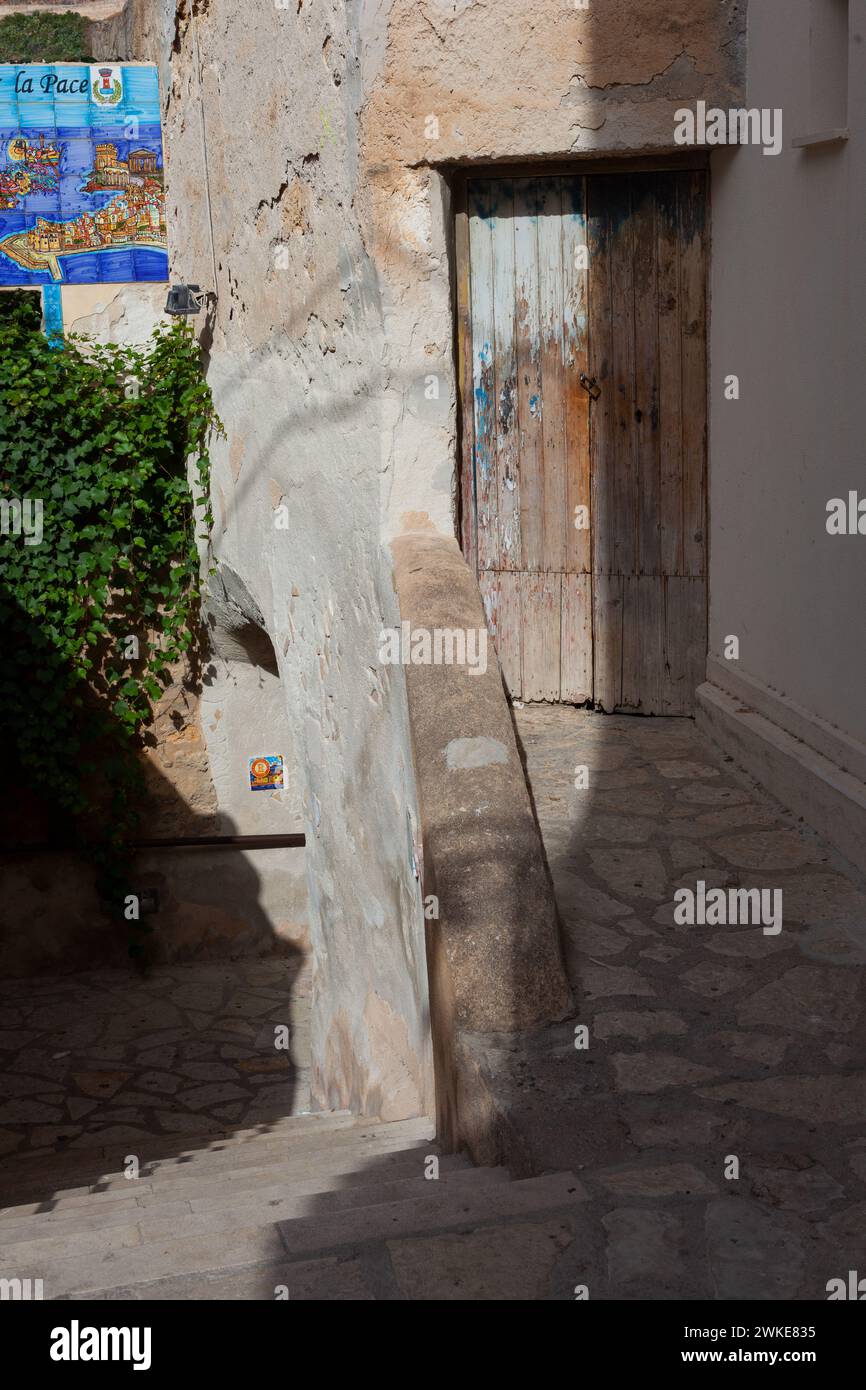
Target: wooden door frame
459	177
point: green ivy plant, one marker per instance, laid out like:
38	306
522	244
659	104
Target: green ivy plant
44	38
114	442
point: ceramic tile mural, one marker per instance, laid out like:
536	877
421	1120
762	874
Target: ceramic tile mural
82	197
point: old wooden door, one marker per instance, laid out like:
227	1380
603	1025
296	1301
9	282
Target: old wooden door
583	347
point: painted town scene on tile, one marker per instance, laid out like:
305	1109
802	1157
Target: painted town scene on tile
82	196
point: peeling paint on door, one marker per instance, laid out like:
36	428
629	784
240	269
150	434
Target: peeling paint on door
574	282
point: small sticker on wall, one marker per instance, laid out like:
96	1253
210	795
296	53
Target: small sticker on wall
266	773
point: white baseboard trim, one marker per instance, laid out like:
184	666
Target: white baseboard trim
809	783
846	752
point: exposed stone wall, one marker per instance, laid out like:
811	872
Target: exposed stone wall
509	81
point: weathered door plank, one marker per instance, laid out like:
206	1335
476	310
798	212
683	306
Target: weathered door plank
646	341
529	402
601	368
481	210
576	639
670	378
685	620
694	323
500	594
578	549
510	648
607	640
541	605
551	317
643	637
621	253
505	382
468	527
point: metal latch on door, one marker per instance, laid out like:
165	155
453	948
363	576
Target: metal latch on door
590	384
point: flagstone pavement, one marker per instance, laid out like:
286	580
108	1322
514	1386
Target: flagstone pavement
715	1122
107	1057
718	1114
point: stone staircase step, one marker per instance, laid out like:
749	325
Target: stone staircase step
69	1270
284	1175
58	1226
362	1141
452	1167
50	1207
430	1212
89	1275
177	1220
317	1207
300	1130
327	1279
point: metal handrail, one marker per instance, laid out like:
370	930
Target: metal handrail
182	842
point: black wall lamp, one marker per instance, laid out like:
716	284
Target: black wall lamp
185	299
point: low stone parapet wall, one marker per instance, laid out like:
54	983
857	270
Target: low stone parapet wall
493	949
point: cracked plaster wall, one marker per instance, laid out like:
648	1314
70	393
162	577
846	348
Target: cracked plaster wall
296	354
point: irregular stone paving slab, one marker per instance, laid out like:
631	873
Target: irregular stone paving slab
687	854
595	940
809	999
710	979
713	795
684	769
767	849
497	1262
804	1191
635	873
638	1025
622	777
655	1071
661	952
688	1130
640	801
843	945
816	899
707	1043
835	1099
603	981
644	1248
751	1251
664	1180
746	943
755	1047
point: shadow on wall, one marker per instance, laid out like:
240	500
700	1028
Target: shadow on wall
104	1056
197	902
